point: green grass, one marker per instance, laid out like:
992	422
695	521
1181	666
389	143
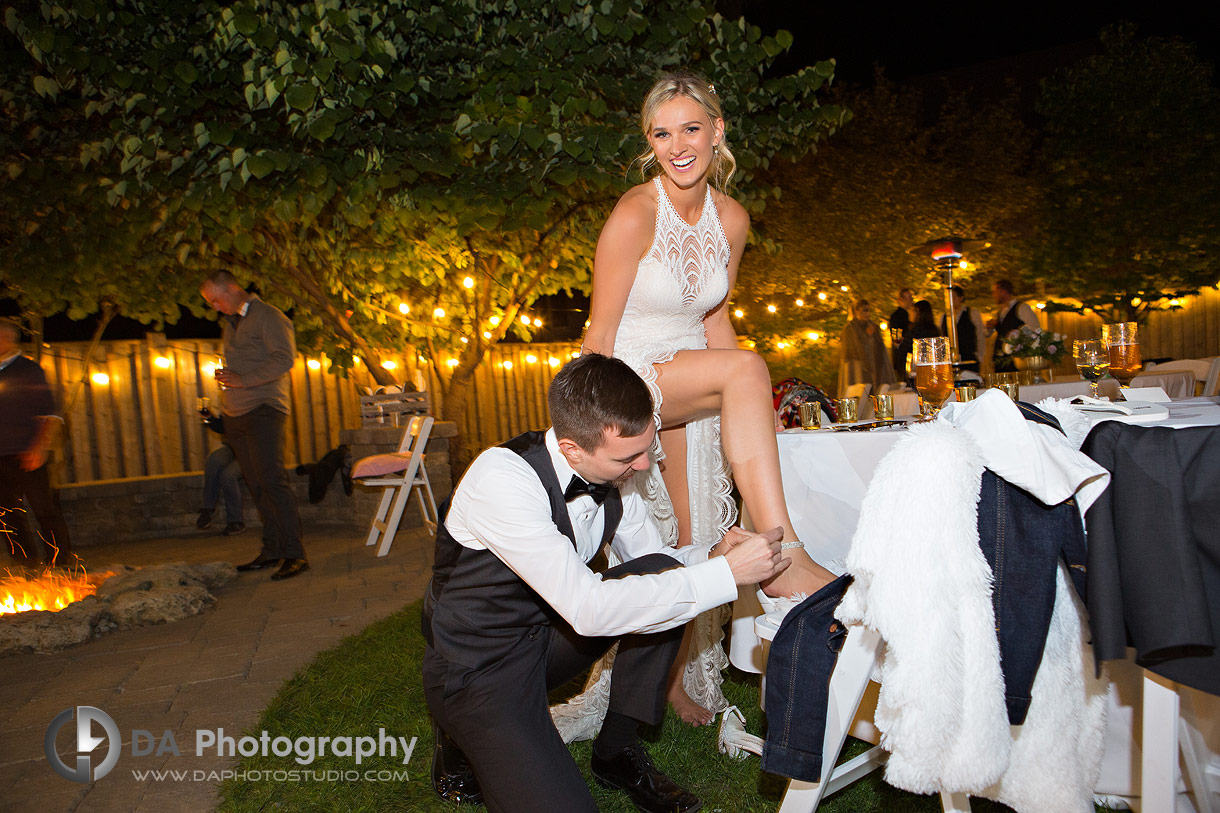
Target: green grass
371	680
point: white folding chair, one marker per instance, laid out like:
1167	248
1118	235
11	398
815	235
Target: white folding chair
399	484
848	683
1206	371
1166	733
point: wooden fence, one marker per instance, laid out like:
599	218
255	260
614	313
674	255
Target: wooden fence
134	411
1191	332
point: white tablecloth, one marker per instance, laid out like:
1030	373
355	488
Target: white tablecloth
1176	384
825	476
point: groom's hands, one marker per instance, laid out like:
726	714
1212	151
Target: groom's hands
753	557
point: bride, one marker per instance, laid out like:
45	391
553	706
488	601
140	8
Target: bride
665	266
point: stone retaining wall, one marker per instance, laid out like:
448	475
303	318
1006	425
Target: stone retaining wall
168	505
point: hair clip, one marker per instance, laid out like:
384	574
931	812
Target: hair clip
711	88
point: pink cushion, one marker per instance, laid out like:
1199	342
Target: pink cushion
380	464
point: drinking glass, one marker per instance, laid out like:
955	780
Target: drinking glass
933	371
1123	344
811	415
1092	360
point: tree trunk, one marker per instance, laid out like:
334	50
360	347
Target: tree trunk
457	396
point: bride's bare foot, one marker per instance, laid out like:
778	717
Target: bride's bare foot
803	576
688	710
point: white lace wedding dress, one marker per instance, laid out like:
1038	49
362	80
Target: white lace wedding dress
682	277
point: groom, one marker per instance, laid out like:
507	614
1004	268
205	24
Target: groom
513	609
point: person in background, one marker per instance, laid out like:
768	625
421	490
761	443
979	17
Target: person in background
259	351
221	476
28	423
1011	315
900	321
863	358
970	331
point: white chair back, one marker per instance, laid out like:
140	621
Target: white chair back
398	486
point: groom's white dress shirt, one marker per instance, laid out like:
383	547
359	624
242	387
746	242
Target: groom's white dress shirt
500	505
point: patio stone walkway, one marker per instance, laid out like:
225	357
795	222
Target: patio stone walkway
215	670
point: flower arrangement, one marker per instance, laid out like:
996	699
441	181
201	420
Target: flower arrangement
1029	342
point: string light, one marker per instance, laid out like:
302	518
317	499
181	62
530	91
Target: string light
884	326
843	288
739	313
493	321
508	365
800	303
813	335
468	282
390	364
771	309
452	362
404	308
531	358
314	364
163	362
963	264
439	313
464	340
780	345
525	320
100	378
1041	306
822	296
537	322
1135	301
486	334
209	368
554	362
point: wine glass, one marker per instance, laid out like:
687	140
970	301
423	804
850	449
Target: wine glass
1092	360
1123	344
933	371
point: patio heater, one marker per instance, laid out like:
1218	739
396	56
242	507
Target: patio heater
946	253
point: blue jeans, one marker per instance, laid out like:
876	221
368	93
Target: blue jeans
222	475
799	666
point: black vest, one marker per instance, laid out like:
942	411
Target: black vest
476	608
1009	323
967	339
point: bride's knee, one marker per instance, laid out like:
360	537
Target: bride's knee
746	366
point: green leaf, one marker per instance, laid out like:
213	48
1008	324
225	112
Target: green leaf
322	127
45	86
246	23
186	72
243	242
45	40
301	96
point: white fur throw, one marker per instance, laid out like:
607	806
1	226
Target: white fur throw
923	583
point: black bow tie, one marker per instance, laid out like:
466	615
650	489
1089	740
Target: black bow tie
577	487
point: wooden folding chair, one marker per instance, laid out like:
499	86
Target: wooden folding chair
399	484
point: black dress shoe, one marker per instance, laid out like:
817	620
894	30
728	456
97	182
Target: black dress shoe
205	518
650	790
290	568
258	564
234	528
452	777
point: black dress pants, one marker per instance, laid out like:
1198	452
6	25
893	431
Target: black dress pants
257	438
25	493
501	718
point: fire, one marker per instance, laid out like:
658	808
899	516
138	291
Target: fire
50	590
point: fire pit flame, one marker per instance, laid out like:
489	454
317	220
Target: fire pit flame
49	590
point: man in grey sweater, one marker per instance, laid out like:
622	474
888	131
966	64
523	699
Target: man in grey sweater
259	351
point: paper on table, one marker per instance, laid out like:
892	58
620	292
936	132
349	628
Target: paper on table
1151	395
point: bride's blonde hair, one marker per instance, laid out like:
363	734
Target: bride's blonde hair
694	87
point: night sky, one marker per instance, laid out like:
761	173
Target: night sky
909	41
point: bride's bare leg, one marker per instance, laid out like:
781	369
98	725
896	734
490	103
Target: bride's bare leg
673	472
737	384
